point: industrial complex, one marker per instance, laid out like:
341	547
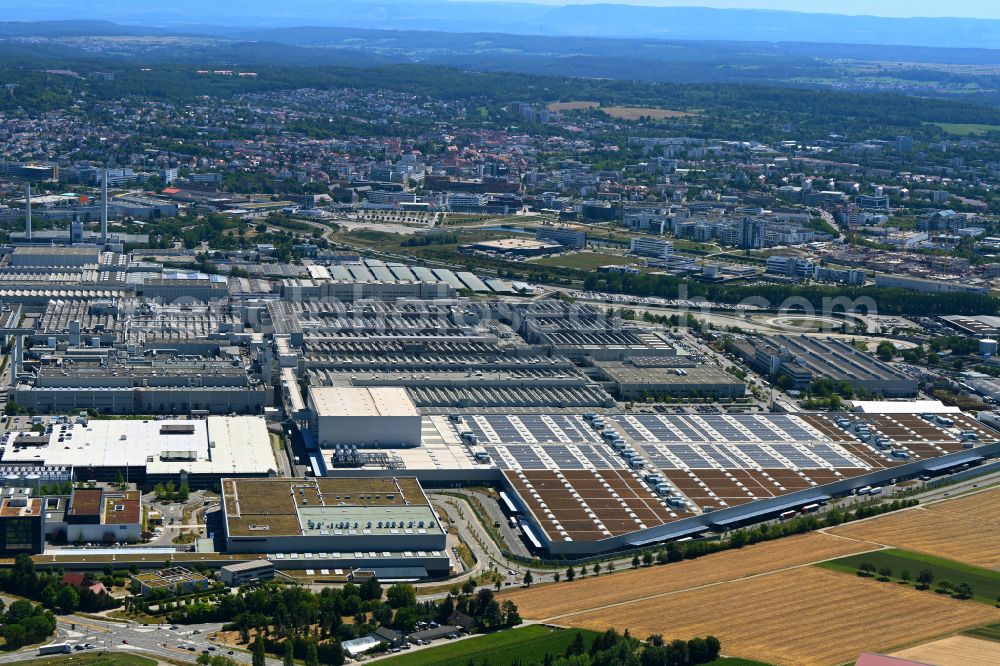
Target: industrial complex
328	409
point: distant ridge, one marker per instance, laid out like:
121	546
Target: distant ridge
600	20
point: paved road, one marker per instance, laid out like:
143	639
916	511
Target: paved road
129	637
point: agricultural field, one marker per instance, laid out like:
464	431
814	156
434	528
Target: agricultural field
560	599
525	645
967	129
954	651
984	582
578	105
585	261
989	632
800	616
966	529
636	112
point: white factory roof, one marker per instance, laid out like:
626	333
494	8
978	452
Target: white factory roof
361	401
906	407
220	445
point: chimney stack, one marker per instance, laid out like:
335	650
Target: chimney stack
27	212
104	209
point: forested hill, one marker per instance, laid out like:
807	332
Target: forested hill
723	111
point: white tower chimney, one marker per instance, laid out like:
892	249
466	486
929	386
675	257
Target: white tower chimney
104	209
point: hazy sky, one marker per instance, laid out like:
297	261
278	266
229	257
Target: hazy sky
903	8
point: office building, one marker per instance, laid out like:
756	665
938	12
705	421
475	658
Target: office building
651	247
564	236
22	524
751	233
244	573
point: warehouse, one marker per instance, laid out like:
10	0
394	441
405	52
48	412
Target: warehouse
804	359
377	417
177	287
330	516
640	378
198	452
980	325
56	256
108	385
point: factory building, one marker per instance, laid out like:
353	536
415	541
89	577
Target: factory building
197	452
175	287
375	417
804	359
303	290
385	522
107	384
930	286
53	256
640	378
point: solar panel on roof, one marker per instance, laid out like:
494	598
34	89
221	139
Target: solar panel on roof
827	453
688	456
795	455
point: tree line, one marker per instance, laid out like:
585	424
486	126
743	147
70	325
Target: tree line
297	621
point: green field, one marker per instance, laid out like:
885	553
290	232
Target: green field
525	645
984	582
585	261
91	659
967	129
990	632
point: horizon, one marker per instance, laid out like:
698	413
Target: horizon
976	9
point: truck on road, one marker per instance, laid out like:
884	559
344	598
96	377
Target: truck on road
55	648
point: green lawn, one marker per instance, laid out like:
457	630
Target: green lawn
984	582
967	129
585	261
525	645
990	632
91	659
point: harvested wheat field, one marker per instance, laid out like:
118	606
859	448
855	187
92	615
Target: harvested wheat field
636	112
802	616
966	529
557	107
547	601
954	651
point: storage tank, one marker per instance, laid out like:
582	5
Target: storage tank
988	347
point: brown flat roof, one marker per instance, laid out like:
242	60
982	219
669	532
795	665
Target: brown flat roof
122	508
86	502
269	507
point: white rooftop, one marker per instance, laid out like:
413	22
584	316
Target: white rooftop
361	401
905	407
224	445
